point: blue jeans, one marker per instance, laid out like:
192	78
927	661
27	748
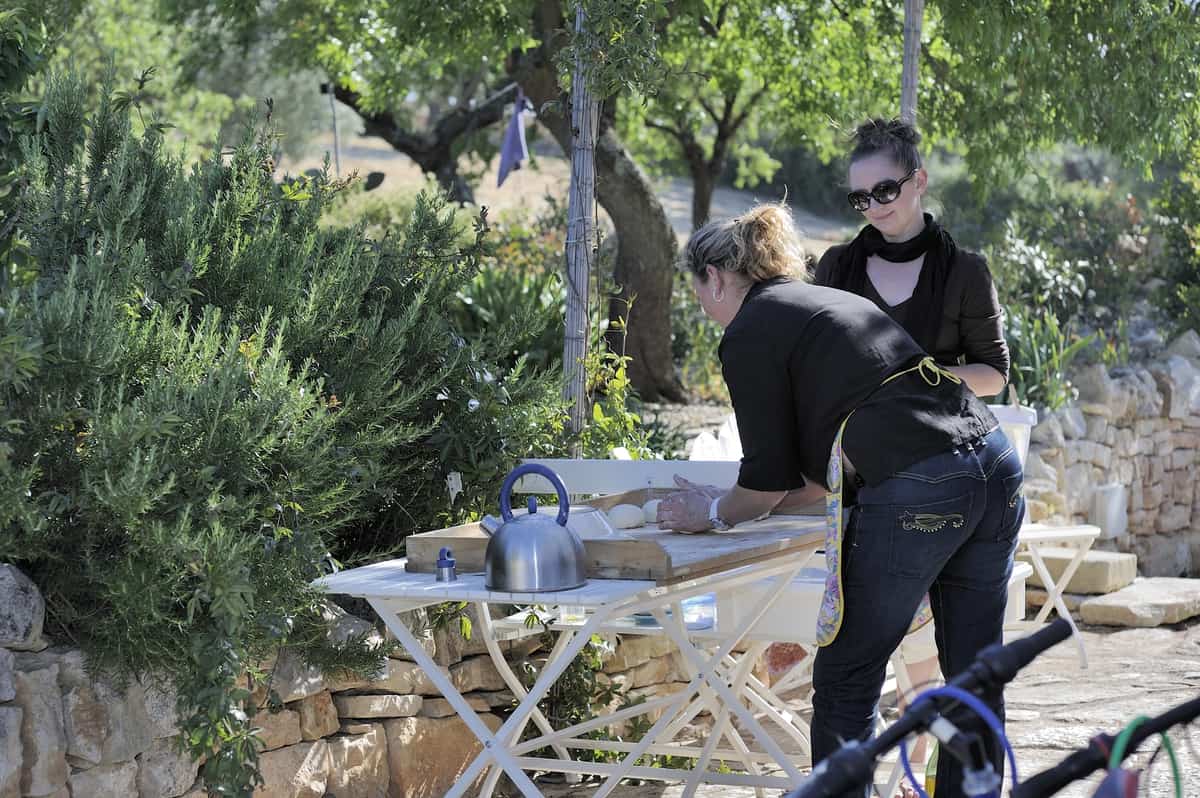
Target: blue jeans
946	526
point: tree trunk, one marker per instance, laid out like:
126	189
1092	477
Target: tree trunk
646	244
646	249
703	185
449	179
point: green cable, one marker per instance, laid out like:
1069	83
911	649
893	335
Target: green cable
1122	742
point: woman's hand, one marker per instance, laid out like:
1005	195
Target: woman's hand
711	491
686	511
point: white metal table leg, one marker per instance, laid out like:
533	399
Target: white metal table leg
518	689
492	747
723	728
705	668
1054	591
498	747
705	673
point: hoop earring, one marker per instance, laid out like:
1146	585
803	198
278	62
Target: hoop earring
716	298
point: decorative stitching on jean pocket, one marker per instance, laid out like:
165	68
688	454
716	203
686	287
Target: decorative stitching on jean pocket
930	522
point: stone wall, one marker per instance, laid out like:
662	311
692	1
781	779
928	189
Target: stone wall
1126	456
63	733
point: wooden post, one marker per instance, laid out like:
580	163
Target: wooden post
914	11
337	148
581	230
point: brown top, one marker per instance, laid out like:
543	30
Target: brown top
972	329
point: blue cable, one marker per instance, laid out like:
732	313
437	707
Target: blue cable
979	708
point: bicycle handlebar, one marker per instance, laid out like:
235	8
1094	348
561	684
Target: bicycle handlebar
852	764
1095	756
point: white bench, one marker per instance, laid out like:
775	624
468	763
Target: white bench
1018	423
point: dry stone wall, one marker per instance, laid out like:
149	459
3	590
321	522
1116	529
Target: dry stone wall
1126	456
64	734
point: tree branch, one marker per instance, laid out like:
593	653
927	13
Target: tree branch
714	29
939	68
381	123
727	111
674	132
748	107
464	120
424	146
709	109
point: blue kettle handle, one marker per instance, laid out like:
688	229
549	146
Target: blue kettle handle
564	503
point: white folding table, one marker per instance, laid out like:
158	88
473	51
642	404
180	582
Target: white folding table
720	680
1036	539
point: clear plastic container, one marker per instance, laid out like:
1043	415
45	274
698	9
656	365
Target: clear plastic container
700	612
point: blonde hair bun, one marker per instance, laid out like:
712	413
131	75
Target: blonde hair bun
767	244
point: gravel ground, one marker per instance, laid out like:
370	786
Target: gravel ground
1054	707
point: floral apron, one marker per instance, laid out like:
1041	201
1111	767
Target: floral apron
829	620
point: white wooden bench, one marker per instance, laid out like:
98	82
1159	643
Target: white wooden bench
591	477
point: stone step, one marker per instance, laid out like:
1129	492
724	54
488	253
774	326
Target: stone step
1100	572
1147	602
1035	597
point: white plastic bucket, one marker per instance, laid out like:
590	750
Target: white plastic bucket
1017	422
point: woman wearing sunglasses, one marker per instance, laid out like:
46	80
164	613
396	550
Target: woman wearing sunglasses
909	266
828	389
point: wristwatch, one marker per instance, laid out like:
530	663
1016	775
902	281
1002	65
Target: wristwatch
714	516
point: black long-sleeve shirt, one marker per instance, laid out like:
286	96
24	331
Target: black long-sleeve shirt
972	329
798	358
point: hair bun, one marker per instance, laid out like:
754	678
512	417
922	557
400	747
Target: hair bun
903	131
767	243
897	138
874	131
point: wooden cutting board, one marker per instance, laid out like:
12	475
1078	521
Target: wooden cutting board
645	552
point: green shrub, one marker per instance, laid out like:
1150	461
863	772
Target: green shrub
1071	232
205	395
1042	352
382	211
694	342
812	183
521	276
1069	256
24	47
1178	224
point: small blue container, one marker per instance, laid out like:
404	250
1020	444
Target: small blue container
445	566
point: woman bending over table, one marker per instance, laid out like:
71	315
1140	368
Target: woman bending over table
826	386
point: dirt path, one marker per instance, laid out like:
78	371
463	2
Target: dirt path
526	189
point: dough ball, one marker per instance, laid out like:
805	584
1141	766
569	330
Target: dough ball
650	511
626	516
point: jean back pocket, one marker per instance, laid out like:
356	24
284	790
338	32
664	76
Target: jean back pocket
923	536
1014	506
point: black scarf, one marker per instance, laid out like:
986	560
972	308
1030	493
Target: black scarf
924	318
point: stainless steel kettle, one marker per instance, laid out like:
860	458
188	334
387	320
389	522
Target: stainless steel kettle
533	553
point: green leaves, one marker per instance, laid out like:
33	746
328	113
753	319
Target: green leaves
1042	353
1122	75
204	392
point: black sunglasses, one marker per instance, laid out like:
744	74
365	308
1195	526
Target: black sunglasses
884	192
